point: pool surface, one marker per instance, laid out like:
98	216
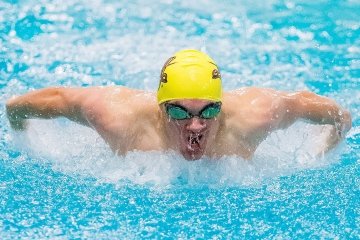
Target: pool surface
59	180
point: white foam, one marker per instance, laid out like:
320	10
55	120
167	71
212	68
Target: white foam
73	149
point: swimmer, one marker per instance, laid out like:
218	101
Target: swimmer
189	114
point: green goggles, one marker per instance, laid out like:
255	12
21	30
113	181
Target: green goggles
178	112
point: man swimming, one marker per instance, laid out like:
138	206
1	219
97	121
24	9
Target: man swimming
190	113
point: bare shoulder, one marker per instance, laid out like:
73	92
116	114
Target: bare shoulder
253	94
113	109
90	94
253	100
121	100
251	109
125	117
104	98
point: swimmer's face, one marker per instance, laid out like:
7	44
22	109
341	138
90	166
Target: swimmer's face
195	136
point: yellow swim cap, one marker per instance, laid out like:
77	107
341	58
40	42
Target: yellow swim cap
189	74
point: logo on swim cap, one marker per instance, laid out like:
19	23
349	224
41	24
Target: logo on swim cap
189	74
163	75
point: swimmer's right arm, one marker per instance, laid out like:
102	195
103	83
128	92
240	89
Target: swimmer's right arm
47	103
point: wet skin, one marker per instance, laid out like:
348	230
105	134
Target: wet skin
192	136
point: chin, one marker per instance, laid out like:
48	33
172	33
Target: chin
193	148
192	155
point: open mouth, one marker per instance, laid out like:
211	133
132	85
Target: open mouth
194	141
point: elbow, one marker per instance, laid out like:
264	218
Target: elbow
51	100
53	92
299	103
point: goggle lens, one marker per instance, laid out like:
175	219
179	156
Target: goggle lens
210	112
178	112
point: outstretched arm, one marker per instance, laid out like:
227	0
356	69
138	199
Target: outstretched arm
320	110
48	103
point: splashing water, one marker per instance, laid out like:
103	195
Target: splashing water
75	149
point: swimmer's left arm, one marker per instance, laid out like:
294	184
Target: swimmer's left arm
286	108
320	110
269	110
317	109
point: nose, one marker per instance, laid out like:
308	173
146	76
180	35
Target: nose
196	124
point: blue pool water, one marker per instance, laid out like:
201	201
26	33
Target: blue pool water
59	180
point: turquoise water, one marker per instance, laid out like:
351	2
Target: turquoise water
59	180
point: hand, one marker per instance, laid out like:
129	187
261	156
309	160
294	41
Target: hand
18	125
343	123
337	132
16	121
